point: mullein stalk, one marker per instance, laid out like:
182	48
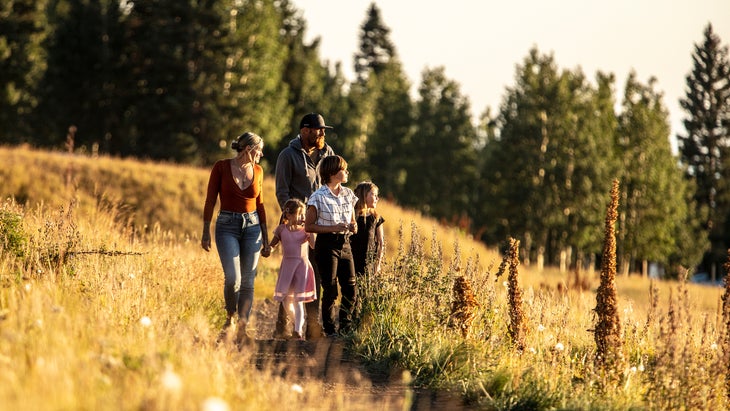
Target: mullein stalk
517	325
607	332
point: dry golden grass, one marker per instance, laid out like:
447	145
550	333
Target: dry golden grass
132	323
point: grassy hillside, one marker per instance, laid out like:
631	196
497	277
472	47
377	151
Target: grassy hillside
153	196
107	298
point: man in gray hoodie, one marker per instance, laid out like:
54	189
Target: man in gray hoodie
297	177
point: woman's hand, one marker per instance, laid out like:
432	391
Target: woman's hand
266	251
205	238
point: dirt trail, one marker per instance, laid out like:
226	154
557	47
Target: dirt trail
326	359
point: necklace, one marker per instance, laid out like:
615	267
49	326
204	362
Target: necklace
242	173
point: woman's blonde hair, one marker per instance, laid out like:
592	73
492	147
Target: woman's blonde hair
246	139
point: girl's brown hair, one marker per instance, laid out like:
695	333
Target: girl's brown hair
330	166
361	191
290	207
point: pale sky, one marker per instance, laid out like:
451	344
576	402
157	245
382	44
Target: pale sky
480	42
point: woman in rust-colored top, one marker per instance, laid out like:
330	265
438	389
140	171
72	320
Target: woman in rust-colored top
240	228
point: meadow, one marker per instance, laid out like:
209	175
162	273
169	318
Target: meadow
107	301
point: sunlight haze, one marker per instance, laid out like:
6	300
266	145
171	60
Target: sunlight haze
480	42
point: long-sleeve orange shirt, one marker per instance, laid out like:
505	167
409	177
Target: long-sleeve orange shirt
221	183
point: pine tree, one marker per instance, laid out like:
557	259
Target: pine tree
705	148
441	161
391	129
653	204
207	45
22	63
376	48
549	169
307	78
157	92
79	88
256	91
384	110
381	110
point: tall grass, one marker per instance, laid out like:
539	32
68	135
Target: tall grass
107	301
131	329
674	354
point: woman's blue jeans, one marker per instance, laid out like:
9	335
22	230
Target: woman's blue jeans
238	239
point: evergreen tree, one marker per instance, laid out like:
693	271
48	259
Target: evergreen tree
390	131
550	169
79	88
157	92
690	236
441	160
705	148
591	163
383	109
22	63
653	204
205	53
306	77
376	48
255	88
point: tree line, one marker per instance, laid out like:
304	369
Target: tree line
177	81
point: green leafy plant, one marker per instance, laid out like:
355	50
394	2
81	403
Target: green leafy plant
13	238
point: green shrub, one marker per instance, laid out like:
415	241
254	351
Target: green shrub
12	237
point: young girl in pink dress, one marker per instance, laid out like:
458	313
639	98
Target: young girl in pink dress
295	285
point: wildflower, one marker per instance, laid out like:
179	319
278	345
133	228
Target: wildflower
171	381
462	306
713	347
533	350
641	367
297	388
27	287
628	310
633	370
540	328
145	321
559	347
214	404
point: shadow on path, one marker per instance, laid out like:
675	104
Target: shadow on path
326	359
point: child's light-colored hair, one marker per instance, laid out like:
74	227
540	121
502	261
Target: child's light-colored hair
361	191
291	206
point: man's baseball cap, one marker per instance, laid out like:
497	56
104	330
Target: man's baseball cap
313	120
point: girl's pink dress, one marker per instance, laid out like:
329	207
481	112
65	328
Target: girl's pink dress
296	275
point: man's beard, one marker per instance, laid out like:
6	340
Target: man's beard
319	143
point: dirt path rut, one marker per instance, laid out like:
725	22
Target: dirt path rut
327	360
